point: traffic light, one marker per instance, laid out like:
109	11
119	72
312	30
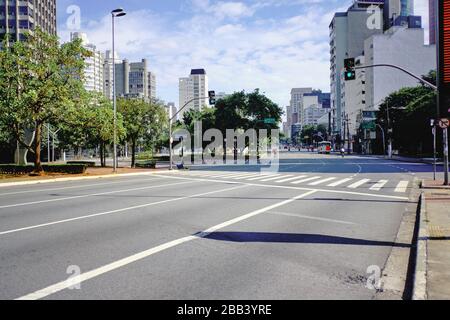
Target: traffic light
350	73
212	98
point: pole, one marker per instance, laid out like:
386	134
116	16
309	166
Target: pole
170	143
446	180
348	135
48	143
114	100
434	152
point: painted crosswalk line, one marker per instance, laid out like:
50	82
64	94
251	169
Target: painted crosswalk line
305	180
339	182
358	183
275	178
402	186
290	179
379	185
316	183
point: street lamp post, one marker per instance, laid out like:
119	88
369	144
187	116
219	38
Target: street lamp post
115	14
384	139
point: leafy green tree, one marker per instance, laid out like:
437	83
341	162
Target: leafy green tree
141	120
39	81
410	111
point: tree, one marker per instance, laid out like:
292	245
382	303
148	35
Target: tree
410	111
39	81
141	120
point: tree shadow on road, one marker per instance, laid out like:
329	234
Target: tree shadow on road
298	238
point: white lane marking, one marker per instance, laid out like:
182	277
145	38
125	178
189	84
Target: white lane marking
402	186
338	183
290	179
76	187
246	176
316	183
310	217
276	177
239	175
379	185
365	194
260	177
117	211
305	180
358	183
85	196
147	253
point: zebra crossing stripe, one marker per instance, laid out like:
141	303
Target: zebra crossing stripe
275	178
379	185
402	186
338	183
316	183
261	176
290	179
358	184
248	175
305	180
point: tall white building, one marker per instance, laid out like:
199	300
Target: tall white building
108	75
93	73
295	110
401	46
348	30
193	87
134	80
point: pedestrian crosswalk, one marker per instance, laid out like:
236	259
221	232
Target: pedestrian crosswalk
298	179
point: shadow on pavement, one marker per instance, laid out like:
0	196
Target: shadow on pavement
298	238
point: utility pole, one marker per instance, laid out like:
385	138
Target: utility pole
348	136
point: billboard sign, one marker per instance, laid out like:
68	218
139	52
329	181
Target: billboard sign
444	57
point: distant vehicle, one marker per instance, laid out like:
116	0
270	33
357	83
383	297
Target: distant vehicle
324	147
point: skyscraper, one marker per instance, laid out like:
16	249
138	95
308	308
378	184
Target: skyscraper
193	87
348	30
393	9
109	63
93	72
19	17
134	80
433	21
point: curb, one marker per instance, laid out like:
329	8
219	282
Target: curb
420	272
25	183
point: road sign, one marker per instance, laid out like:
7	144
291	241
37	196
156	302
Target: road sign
444	123
270	121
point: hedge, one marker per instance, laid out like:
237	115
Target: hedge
146	164
57	168
86	163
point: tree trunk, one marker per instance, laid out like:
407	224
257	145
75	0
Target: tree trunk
133	153
37	149
101	154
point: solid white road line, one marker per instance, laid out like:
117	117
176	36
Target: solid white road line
77	187
358	183
316	183
145	254
338	183
402	186
379	185
310	217
117	211
305	180
275	178
290	179
87	195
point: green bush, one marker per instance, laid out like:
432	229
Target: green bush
56	168
86	163
146	164
144	155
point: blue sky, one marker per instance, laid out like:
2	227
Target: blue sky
273	45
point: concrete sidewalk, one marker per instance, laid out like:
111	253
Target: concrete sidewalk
433	258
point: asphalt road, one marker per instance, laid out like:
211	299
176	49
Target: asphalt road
309	231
